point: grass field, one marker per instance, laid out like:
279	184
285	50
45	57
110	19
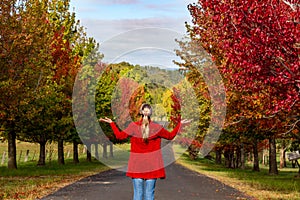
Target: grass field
23	147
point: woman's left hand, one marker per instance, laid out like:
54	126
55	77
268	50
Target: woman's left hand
106	119
186	121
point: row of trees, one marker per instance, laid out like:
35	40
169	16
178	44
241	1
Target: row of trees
255	45
43	49
42	46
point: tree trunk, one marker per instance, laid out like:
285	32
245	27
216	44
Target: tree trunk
272	156
96	151
193	152
111	150
293	164
42	157
282	155
298	170
233	159
218	156
255	157
60	152
243	158
226	157
238	157
265	158
88	153
228	154
104	154
75	152
12	150
249	157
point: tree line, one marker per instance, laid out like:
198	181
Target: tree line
43	47
255	46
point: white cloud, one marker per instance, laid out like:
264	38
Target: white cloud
102	30
170	7
136	41
105	20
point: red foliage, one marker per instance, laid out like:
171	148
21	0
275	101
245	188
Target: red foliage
136	100
260	39
263	145
122	104
176	108
186	142
63	61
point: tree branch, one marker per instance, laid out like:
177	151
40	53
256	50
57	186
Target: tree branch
292	5
38	82
292	127
233	123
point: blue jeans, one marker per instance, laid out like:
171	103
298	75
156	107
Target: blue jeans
143	188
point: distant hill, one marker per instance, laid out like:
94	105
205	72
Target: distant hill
164	77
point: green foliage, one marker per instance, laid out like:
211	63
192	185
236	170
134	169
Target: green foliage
43	114
124	87
24	38
42	47
195	66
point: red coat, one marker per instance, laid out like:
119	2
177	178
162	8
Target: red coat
145	160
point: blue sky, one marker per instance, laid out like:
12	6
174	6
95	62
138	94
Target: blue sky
109	21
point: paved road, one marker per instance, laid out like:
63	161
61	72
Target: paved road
180	184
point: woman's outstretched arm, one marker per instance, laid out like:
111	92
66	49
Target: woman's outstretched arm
121	135
170	135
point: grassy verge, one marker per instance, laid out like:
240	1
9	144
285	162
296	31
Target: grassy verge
31	182
260	185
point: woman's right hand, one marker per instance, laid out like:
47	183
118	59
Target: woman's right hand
105	119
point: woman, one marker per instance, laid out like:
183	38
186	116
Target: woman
145	163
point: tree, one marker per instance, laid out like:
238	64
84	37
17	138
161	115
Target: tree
42	46
259	57
66	62
201	73
40	117
23	33
263	52
120	100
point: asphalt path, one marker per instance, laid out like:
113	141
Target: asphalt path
180	184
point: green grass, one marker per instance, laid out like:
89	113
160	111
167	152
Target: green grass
260	185
30	181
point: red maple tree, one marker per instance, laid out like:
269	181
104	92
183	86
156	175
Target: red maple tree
260	40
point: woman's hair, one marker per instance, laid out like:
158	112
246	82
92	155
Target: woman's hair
145	128
146	105
145	122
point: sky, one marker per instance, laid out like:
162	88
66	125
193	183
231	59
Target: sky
137	31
